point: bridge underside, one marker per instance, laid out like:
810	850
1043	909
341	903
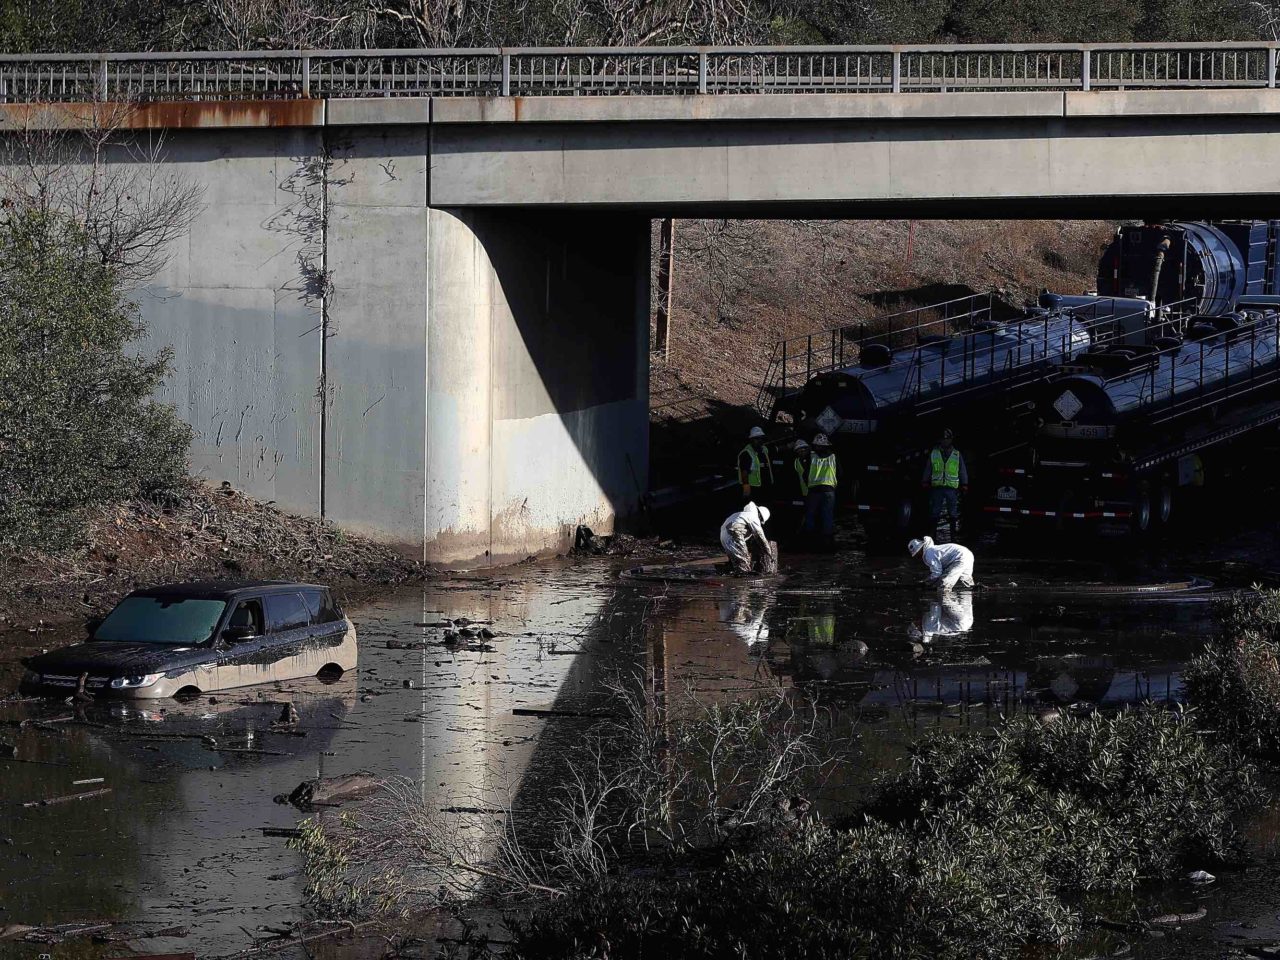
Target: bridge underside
467	384
427	320
1086	155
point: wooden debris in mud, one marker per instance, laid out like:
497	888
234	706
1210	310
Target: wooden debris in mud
97	931
332	791
541	712
51	801
274	944
252	751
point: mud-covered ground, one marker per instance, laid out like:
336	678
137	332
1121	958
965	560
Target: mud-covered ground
179	840
209	533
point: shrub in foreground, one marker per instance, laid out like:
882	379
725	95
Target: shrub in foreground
1235	683
978	849
1101	801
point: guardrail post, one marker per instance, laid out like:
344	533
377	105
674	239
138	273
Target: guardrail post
306	77
1086	69
506	74
702	71
1271	67
897	71
102	78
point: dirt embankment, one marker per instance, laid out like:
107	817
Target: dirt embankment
742	285
210	534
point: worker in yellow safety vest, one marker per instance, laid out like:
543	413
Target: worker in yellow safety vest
803	455
820	496
755	467
945	477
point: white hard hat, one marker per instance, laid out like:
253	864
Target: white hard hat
821	440
764	515
800	445
915	546
755	432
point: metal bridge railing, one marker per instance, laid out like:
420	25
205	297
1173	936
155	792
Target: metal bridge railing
633	71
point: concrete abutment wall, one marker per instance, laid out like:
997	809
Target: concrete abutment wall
467	385
537	375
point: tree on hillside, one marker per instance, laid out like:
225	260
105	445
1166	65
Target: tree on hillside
86	25
861	21
1034	21
1266	18
78	425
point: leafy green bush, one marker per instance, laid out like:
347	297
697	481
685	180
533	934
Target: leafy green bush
818	893
1235	683
333	889
78	425
976	850
1101	802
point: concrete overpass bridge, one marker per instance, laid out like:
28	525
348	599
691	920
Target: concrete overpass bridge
416	299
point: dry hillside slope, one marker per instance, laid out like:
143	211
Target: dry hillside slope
742	285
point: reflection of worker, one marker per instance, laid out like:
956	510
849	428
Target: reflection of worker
743	538
945	476
948	616
755	468
820	499
950	565
745	614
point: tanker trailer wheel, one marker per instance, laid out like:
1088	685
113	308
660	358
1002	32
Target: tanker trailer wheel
1164	504
901	515
1141	515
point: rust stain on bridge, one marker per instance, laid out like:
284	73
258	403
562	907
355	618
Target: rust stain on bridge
163	115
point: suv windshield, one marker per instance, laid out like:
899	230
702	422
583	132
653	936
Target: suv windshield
161	620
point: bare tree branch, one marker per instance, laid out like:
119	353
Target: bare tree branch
113	183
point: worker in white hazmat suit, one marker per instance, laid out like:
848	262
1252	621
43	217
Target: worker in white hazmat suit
950	565
743	538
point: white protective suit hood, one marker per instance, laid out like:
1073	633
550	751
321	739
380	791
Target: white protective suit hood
915	546
759	514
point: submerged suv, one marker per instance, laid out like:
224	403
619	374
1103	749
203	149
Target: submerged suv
191	638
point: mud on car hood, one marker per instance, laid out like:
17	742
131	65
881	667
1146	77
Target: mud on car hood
109	659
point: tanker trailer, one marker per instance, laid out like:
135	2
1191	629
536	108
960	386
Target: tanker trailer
1216	262
1122	433
885	412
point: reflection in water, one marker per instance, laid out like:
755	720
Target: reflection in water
950	615
744	610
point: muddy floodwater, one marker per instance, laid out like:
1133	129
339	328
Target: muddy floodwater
188	835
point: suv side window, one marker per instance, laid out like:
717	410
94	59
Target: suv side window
248	613
321	606
286	611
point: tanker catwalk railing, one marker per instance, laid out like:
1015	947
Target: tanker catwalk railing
1209	377
1102	332
979	349
633	71
797	360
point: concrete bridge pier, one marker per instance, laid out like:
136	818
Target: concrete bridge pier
537	413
